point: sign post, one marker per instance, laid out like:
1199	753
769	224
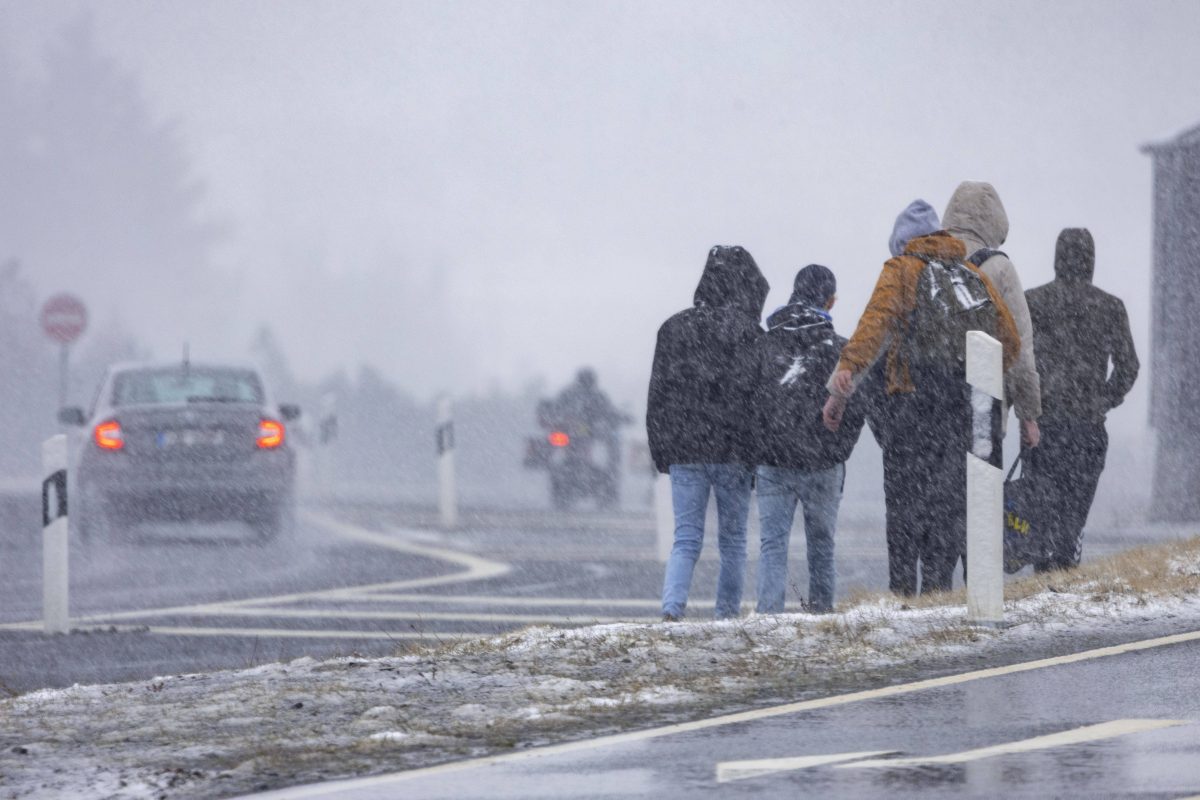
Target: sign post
447	488
64	317
55	604
985	482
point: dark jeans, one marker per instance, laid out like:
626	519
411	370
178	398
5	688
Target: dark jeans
1065	469
925	444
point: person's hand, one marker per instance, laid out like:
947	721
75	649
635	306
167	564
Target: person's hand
1030	434
843	383
835	407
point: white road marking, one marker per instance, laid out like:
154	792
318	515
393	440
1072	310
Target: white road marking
728	771
510	600
301	613
333	788
474	569
308	633
1088	733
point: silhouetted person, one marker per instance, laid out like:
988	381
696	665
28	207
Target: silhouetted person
1077	331
923	303
698	421
800	462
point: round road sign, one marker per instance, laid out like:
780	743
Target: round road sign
64	317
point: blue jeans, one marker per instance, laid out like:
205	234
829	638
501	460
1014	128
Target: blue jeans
690	485
820	493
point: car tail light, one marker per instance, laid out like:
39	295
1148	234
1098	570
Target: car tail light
109	436
270	434
559	439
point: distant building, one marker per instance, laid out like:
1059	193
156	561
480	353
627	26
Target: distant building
1175	338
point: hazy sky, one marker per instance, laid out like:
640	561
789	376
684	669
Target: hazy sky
465	193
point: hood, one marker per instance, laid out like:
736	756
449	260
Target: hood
802	318
939	245
731	279
918	219
976	215
1075	256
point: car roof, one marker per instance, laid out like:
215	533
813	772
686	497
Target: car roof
155	366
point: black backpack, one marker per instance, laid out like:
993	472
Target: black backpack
952	299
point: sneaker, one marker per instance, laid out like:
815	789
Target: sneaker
672	618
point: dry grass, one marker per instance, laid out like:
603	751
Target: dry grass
1159	570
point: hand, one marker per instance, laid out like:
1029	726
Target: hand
843	383
1030	434
835	407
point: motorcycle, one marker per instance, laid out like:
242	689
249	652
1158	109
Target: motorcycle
568	451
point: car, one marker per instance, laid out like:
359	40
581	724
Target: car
182	442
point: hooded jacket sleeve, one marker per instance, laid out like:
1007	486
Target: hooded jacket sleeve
1124	358
1006	328
657	424
1021	382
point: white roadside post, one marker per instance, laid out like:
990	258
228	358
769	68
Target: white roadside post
54	535
447	489
985	483
664	517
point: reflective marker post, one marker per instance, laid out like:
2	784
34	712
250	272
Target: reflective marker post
985	482
447	489
54	535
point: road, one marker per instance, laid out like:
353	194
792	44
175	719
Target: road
361	579
1107	726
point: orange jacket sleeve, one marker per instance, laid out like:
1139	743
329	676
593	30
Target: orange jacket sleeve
885	312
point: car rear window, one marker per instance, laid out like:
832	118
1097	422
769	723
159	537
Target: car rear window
151	387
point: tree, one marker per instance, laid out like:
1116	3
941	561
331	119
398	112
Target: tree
99	197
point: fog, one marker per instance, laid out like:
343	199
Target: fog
475	197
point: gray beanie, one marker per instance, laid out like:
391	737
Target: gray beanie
918	219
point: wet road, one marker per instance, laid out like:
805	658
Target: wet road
1113	726
354	579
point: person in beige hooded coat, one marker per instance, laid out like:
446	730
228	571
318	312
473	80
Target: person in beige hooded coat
976	216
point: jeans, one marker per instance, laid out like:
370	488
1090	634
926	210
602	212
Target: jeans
690	486
820	494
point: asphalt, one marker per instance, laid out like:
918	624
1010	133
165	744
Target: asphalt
1114	726
357	579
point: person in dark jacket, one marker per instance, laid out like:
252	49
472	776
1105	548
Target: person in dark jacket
800	460
1077	330
697	421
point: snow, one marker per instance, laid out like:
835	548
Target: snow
225	733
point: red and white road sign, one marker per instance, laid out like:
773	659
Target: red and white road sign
64	317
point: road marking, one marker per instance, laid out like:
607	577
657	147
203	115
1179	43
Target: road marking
300	613
1088	733
512	600
332	788
728	771
474	569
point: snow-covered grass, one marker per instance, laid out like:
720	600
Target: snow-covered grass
225	733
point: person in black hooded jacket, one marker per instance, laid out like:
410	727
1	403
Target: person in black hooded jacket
1077	331
698	421
800	460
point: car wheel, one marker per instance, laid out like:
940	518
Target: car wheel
275	520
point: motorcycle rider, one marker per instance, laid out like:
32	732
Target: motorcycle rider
592	415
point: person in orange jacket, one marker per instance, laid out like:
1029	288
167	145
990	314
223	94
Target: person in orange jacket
930	412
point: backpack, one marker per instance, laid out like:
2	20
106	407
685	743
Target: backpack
952	299
980	256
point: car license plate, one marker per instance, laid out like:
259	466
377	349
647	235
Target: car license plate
190	438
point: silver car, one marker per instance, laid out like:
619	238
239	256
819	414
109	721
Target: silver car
182	441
